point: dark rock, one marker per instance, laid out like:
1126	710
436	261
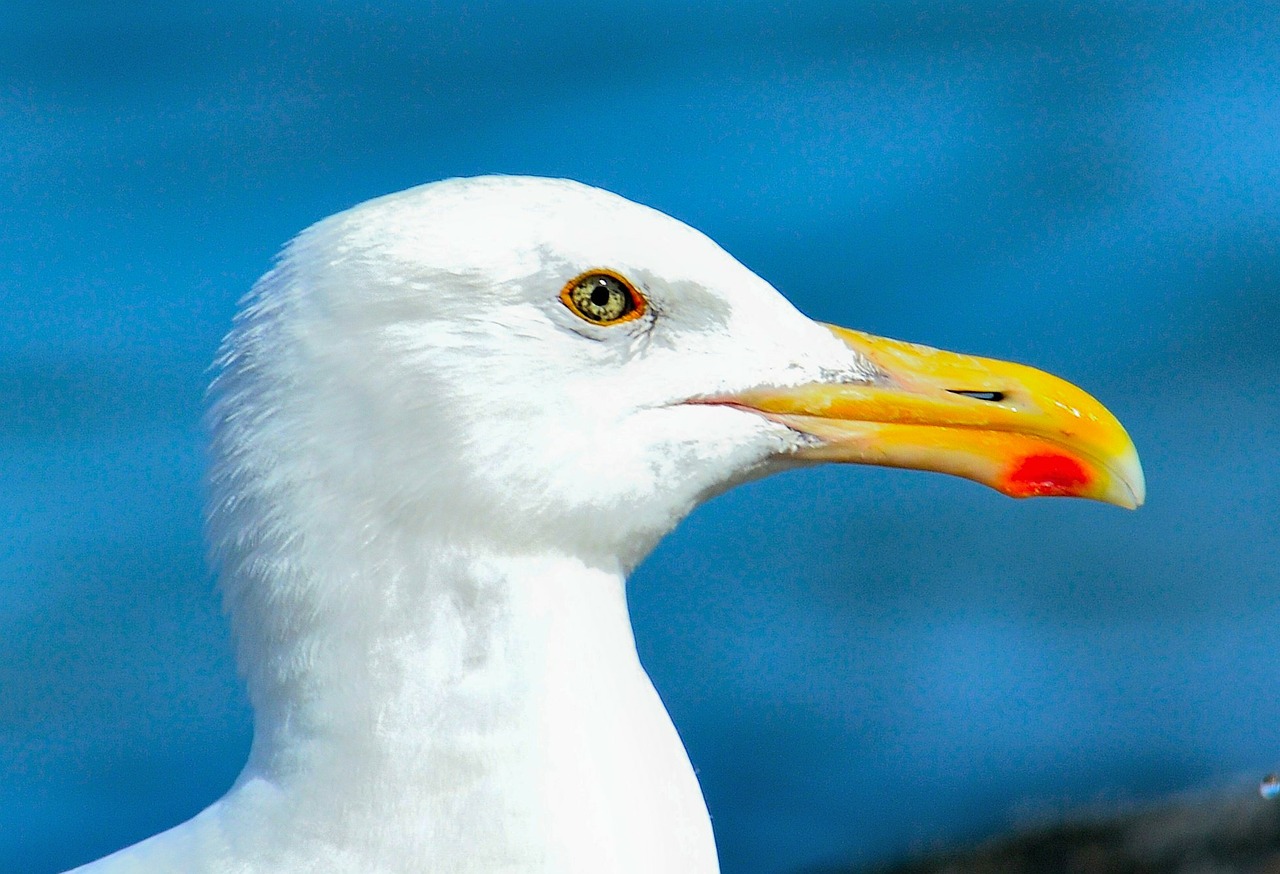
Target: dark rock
1234	832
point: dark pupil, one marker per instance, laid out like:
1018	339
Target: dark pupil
600	295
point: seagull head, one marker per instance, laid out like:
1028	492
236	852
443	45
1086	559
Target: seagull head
445	427
526	362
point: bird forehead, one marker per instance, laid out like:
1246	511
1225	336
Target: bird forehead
513	225
494	255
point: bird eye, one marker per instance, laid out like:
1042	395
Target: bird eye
603	298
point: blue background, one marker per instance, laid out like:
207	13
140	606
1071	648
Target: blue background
862	662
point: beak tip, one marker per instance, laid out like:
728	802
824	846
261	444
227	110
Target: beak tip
1052	473
1123	481
1136	483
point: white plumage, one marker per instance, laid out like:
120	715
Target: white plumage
430	478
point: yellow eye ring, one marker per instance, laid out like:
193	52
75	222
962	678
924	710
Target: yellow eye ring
603	297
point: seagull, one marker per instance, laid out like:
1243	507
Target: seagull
445	427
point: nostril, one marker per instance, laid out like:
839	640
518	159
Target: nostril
993	396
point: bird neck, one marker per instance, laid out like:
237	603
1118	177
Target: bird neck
404	653
491	707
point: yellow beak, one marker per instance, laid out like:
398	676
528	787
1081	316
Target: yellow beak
1017	429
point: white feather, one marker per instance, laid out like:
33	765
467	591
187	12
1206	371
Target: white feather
429	481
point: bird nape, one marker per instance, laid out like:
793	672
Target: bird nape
445	427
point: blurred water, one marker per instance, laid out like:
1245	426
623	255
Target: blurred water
1090	187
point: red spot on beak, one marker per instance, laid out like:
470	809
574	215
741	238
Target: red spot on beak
1044	475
